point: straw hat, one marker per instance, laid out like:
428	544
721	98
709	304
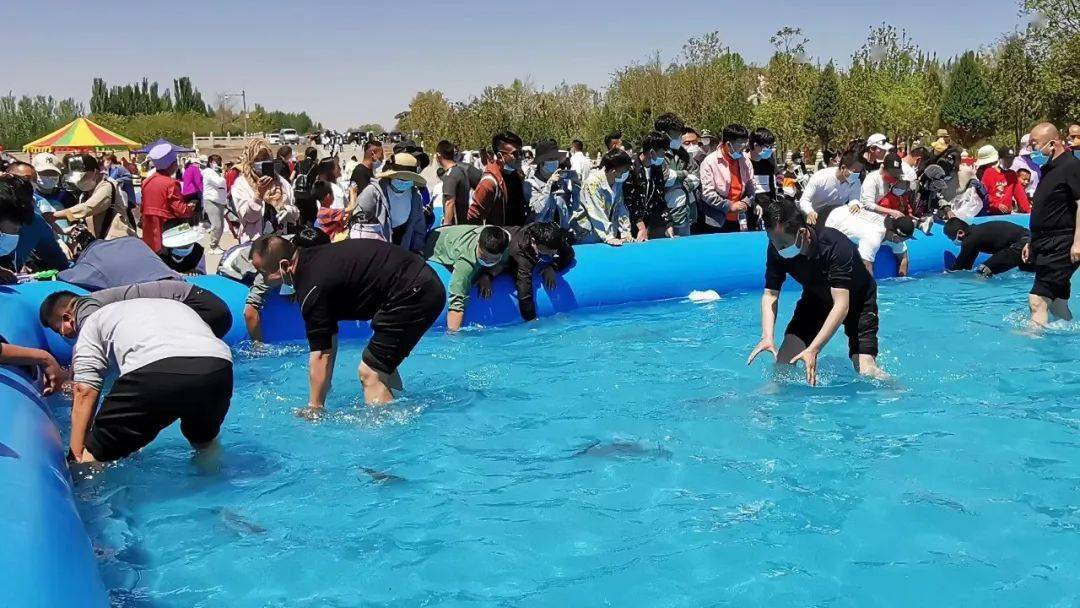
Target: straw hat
402	166
987	155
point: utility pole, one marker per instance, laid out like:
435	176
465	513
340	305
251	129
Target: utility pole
243	97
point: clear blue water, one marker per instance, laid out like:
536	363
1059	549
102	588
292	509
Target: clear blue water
714	484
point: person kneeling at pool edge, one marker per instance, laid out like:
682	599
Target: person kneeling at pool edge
465	250
355	280
539	246
837	289
172	367
1004	241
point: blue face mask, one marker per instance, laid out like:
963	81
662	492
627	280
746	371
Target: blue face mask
853	179
622	177
736	155
675	143
400	185
1039	158
550	166
766	153
656	162
1076	153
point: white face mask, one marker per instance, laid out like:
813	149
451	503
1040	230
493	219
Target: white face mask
8	243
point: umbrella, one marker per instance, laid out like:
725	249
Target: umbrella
178	149
80	134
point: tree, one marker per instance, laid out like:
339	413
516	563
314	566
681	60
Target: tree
790	41
821	121
1052	38
968	108
24	119
374	127
1011	82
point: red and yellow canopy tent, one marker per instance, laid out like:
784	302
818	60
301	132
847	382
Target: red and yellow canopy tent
80	135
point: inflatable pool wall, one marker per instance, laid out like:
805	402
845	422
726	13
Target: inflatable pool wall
48	560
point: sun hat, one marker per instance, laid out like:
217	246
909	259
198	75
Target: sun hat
547	150
878	140
402	166
987	155
942	133
162	156
46	161
181	236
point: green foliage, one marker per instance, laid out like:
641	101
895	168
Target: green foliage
375	128
821	121
261	119
130	99
25	119
968	108
176	127
188	98
1012	82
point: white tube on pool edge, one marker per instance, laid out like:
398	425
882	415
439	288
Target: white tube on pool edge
703	297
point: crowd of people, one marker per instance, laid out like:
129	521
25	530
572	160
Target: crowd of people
353	240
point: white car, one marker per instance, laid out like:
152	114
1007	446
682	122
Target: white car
289	136
274	139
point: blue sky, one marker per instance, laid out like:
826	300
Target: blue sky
352	62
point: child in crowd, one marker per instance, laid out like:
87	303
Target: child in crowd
329	220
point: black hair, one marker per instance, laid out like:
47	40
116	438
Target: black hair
310	236
546	234
762	137
446	150
610	137
325	168
17	200
669	122
615	158
494	240
371	143
784	211
919	152
16	164
577	143
213	157
955	225
504	137
320	190
111	158
284	152
852	161
1023	170
656	140
735	132
311	153
273	249
688	130
52	302
89	162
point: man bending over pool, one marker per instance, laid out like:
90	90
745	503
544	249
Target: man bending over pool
355	280
837	289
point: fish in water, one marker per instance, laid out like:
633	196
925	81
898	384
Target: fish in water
236	522
621	449
381	476
7	452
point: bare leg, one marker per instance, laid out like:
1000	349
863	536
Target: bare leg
208	456
791	346
377	385
1060	309
1040	309
869	267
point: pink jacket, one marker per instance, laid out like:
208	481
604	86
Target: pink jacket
716	179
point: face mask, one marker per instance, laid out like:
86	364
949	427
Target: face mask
853	179
791	251
550	166
1039	158
899	191
790	192
957	241
1076	153
287	289
486	263
736	155
47	183
85	184
400	185
656	162
622	177
8	243
693	149
179	253
766	154
675	143
509	168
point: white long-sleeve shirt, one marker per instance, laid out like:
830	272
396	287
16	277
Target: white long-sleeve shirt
135	333
873	190
214	190
824	190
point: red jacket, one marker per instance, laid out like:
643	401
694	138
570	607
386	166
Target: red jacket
161	201
489	199
1004	190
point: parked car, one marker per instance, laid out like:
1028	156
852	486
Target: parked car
289	136
274	139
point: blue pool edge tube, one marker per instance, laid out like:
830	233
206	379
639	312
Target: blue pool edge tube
48	558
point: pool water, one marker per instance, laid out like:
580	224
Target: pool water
629	457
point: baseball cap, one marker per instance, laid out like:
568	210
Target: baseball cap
891	166
878	140
1006	152
46	161
903	225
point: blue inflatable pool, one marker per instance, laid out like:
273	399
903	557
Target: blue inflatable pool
48	559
